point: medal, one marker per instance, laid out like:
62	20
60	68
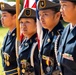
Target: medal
7	57
5	61
8	63
48	69
23	70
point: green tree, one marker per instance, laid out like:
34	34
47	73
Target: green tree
21	1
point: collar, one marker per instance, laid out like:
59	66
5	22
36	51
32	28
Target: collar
9	33
30	40
56	30
72	27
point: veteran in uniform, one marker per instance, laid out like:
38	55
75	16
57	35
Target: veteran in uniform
8	20
67	46
28	51
49	17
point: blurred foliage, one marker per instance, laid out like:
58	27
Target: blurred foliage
3	32
64	23
21	2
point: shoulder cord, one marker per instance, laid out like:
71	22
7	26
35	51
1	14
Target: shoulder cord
55	48
32	53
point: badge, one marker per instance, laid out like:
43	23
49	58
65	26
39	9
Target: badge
27	12
2	6
42	4
68	56
23	70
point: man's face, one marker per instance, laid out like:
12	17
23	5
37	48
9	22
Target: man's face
68	11
6	19
47	18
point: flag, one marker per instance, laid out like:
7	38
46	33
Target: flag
29	4
39	28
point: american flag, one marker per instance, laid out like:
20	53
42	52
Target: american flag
30	4
39	27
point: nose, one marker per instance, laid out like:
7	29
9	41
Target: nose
2	18
61	9
41	18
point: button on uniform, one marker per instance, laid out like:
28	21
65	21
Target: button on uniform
48	40
26	44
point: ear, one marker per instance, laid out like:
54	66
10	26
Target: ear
14	16
75	7
57	15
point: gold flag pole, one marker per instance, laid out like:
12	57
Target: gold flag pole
18	31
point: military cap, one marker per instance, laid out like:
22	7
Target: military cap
8	6
46	4
0	6
27	13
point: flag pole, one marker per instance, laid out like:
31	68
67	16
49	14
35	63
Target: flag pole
17	31
17	21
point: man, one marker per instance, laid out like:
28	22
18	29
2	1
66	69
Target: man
67	47
49	16
8	20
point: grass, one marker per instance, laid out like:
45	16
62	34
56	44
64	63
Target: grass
3	32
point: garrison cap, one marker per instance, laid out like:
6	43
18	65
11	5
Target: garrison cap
8	6
46	4
27	13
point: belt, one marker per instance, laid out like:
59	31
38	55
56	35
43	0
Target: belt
11	72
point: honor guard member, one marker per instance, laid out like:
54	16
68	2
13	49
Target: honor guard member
28	51
8	20
67	46
49	16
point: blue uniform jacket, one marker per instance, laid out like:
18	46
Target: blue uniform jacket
68	46
24	56
47	49
8	54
